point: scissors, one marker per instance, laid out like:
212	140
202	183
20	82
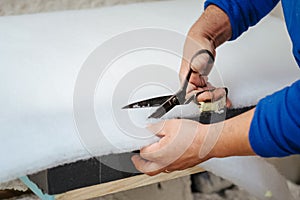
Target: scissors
207	109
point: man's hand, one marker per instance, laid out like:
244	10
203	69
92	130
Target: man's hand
186	143
210	30
177	149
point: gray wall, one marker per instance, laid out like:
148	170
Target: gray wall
16	7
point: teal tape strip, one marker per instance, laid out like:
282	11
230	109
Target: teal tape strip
35	189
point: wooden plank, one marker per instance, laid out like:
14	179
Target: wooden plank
124	184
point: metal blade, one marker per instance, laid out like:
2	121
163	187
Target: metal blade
156	101
158	113
165	107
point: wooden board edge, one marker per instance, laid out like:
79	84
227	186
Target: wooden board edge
124	184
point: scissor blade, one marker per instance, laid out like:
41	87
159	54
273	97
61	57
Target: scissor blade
156	101
158	113
165	107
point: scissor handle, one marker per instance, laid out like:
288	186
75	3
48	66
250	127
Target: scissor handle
188	76
179	97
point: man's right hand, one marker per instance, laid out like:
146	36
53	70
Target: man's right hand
201	65
210	30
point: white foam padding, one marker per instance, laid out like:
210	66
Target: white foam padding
42	54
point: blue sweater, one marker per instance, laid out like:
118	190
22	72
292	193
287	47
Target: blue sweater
275	127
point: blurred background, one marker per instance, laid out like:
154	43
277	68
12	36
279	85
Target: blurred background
17	7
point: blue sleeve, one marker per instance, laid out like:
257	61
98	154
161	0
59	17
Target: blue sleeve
243	13
275	127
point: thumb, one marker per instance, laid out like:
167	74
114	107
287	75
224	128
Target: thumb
157	128
202	62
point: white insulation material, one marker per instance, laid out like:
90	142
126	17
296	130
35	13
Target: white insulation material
40	59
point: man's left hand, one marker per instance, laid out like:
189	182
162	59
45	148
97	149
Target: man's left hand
178	149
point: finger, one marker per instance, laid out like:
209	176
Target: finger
154	152
202	64
193	93
149	150
193	90
213	95
191	87
209	86
204	96
138	162
228	103
157	128
190	48
219	93
198	80
145	166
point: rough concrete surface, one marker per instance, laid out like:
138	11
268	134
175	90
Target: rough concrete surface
235	193
13	185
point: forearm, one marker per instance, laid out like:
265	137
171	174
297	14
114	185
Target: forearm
234	137
208	32
243	13
213	25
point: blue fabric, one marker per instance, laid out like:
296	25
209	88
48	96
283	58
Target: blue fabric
275	127
291	10
243	13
